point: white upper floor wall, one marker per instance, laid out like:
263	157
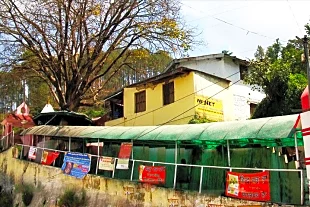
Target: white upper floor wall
230	68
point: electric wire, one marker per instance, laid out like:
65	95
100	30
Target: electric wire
294	16
233	25
170	120
174	102
127	120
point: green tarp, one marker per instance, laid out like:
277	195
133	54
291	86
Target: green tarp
271	131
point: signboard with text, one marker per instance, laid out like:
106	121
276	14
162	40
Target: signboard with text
125	150
76	164
32	154
248	186
106	163
210	108
152	174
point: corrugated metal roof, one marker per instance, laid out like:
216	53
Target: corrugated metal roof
264	129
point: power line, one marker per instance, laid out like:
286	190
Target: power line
294	16
233	25
170	120
175	101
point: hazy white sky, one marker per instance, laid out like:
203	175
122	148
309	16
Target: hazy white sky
240	26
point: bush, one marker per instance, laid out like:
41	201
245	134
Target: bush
6	199
199	120
70	198
27	191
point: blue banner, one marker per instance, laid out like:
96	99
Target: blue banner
76	164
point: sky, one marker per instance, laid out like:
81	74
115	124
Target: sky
240	26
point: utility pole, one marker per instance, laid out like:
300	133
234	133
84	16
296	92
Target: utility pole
306	52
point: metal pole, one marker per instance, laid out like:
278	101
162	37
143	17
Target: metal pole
133	162
97	163
22	152
43	142
98	158
69	144
116	159
306	52
176	166
228	153
98	148
296	150
133	166
301	187
200	182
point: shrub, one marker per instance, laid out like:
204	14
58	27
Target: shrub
27	191
6	199
70	198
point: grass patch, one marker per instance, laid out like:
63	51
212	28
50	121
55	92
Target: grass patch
73	198
27	191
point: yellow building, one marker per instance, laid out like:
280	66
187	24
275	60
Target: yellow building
173	97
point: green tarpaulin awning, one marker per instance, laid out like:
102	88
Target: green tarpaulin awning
267	131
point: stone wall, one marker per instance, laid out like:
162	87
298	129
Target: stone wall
50	183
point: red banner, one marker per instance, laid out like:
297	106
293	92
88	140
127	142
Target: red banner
152	174
125	150
248	186
49	157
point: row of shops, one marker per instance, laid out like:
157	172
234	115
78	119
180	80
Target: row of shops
261	159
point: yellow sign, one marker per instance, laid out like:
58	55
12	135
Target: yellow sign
210	108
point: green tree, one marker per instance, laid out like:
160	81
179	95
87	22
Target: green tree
227	52
279	73
71	41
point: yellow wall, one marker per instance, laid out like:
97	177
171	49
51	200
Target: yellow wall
205	86
156	113
215	89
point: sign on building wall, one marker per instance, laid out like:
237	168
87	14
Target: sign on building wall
152	174
248	186
76	164
210	108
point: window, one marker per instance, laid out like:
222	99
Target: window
168	93
243	71
140	99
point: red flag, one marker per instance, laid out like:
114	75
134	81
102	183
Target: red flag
49	157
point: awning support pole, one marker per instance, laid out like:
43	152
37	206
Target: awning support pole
43	142
69	144
176	166
132	168
98	158
228	153
201	176
296	149
98	149
133	162
301	187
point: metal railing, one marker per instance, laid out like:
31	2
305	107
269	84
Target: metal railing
7	141
176	165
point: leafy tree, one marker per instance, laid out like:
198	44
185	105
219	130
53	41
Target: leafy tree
12	89
72	41
227	52
280	74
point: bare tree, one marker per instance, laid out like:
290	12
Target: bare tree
70	41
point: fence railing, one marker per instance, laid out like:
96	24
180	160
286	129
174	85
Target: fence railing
175	166
7	141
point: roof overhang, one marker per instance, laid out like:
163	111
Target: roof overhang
271	131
